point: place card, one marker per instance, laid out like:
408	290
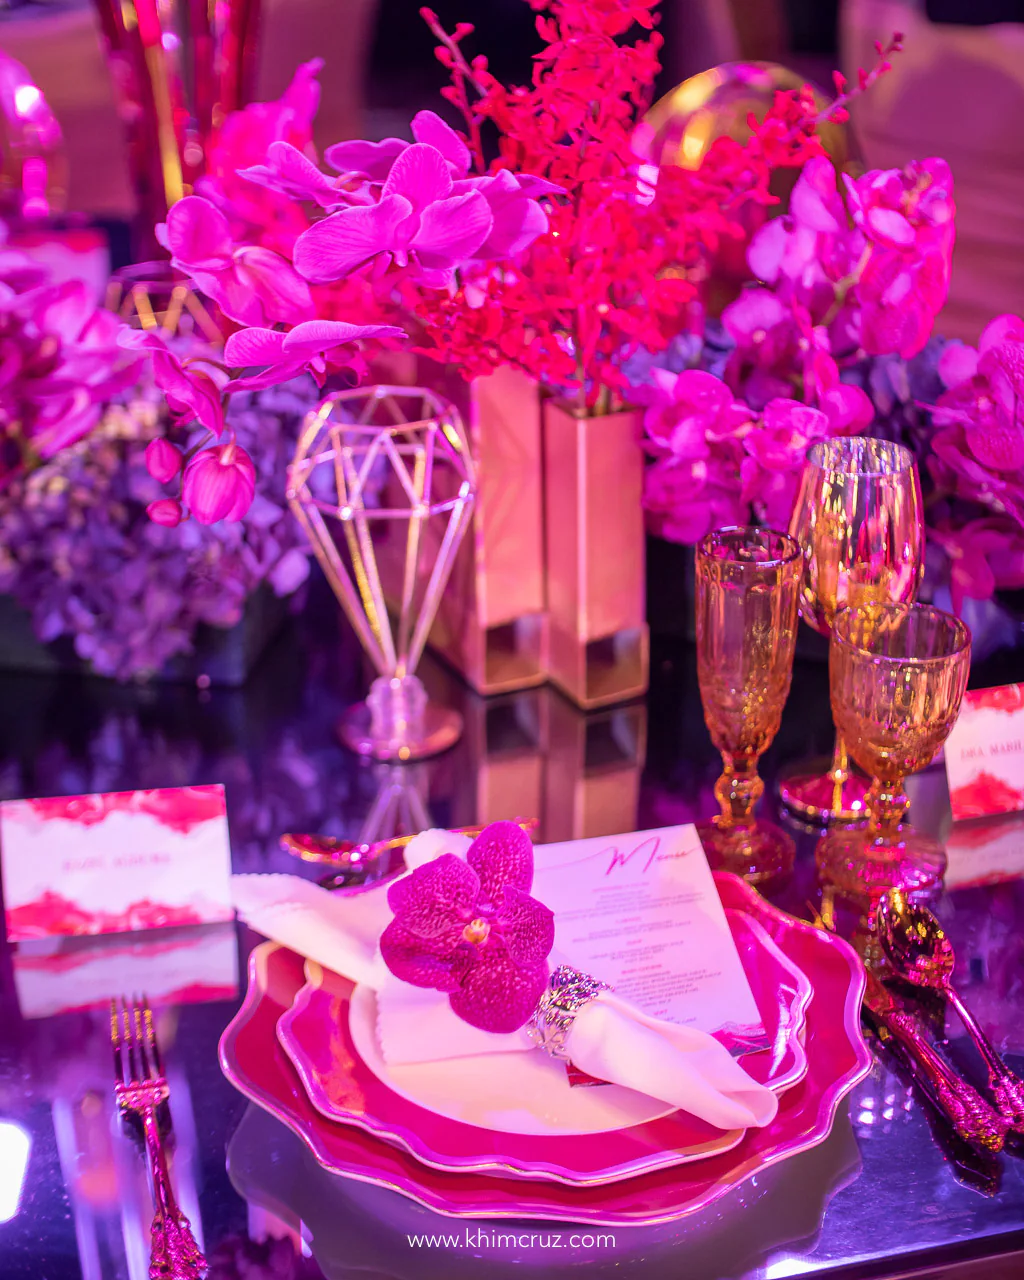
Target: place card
115	862
641	911
985	753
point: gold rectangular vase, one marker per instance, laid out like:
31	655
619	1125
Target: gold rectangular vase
594	551
492	623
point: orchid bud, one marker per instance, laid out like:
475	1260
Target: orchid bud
163	459
219	483
165	511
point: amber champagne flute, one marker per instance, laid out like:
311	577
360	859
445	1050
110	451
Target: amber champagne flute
748	581
897	675
858	519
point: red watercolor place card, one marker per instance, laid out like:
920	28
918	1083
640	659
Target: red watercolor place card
115	862
985	753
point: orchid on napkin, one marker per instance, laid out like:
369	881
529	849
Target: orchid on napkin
460	923
470	928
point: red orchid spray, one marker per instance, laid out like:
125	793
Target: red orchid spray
615	270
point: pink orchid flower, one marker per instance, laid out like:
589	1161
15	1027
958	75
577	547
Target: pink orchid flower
907	217
982	412
163	459
806	252
688	411
985	555
191	394
252	285
776	451
685	498
242	141
373	160
470	928
516	217
316	346
219	483
416	220
290	172
166	512
59	363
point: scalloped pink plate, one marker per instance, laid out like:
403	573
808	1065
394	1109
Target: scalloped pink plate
837	1058
515	1114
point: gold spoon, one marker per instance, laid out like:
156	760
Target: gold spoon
920	951
350	860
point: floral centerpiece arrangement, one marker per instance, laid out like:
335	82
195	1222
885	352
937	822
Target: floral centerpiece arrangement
533	239
835	336
558	256
77	551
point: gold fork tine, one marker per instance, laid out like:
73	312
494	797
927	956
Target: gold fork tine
128	1036
173	1248
115	1040
150	1025
146	1073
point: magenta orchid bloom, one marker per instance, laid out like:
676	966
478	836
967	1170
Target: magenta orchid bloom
252	285
60	361
776	452
372	161
163	459
470	928
316	346
687	412
979	443
417	219
219	483
907	218
191	394
687	498
985	555
290	172
165	511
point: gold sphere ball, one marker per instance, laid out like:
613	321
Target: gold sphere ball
716	103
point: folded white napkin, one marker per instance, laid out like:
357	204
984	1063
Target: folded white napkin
610	1038
339	931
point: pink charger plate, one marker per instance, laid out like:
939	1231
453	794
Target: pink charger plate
316	1035
838	1058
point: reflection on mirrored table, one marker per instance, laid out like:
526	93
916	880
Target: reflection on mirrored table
74	1196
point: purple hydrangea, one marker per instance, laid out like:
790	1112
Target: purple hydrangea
78	552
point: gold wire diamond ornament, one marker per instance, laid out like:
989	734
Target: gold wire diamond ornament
383	483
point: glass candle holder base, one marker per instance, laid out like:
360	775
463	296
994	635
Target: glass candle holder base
758	854
810	792
864	865
396	722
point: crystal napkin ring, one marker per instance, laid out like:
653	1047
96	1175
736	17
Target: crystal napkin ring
567	992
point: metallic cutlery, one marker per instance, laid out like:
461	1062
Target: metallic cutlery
919	950
140	1088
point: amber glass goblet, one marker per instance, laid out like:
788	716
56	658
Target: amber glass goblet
747	585
897	675
858	519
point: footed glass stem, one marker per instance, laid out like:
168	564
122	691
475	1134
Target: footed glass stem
827	797
397	722
734	840
885	854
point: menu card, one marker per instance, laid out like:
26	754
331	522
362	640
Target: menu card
109	863
985	753
641	911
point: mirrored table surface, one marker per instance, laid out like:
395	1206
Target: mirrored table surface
888	1194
